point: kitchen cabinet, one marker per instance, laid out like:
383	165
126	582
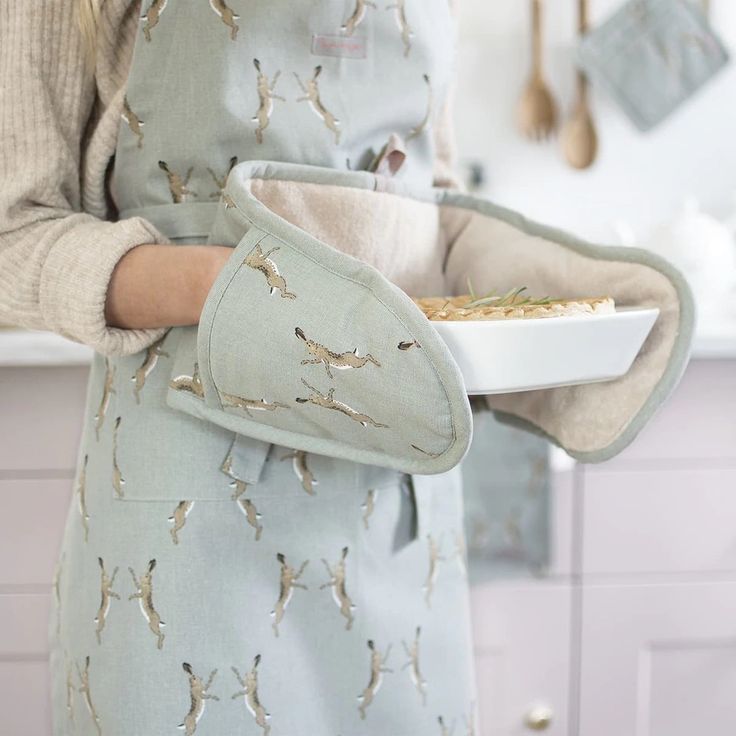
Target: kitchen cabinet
659	522
40	426
631	629
522	655
658	658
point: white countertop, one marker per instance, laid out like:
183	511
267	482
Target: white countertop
718	341
32	348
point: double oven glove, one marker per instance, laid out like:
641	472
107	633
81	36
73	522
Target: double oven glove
499	249
304	346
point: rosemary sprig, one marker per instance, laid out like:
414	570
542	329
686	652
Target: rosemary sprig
510	299
470	288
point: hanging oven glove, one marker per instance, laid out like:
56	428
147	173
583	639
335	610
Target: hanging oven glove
302	345
499	249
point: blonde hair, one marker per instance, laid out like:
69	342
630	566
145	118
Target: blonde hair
88	14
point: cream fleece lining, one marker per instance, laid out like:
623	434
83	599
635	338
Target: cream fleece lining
399	236
587	417
369	224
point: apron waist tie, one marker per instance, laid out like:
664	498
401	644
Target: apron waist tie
421	507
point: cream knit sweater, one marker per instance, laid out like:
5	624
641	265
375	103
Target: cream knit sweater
59	234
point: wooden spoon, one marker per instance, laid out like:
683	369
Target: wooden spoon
579	139
537	111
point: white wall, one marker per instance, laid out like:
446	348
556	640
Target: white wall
639	177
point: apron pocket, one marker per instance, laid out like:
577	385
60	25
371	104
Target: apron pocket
156	454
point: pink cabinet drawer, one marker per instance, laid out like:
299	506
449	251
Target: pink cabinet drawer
698	421
658	660
25	699
521	634
41	417
661	521
24	622
31	525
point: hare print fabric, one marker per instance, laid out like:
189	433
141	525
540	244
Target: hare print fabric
324	83
305	346
210	582
318	595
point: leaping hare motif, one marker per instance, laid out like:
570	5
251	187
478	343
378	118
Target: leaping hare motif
87	695
117	477
144	594
247	506
191	384
357	16
153	353
107	391
266	96
311	93
412	652
369	505
434	559
107	593
177	183
287	583
248	405
374	683
406	32
199	693
250	692
221	181
227	15
328	402
179	518
341	361
444	731
305	475
57	591
261	261
152	16
419	127
134	122
82	497
69	689
337	583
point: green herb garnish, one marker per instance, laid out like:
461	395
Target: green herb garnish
512	298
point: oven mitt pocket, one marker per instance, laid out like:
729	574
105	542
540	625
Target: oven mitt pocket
304	346
498	250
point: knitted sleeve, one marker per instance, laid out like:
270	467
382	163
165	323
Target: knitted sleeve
55	259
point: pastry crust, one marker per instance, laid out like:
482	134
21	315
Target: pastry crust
450	308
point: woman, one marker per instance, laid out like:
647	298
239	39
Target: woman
273	430
282	590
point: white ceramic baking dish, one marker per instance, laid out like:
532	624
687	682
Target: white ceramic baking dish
502	356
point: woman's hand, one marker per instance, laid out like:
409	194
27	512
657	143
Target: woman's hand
162	285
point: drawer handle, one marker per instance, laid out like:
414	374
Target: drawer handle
538	718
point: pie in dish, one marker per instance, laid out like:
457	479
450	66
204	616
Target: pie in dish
510	306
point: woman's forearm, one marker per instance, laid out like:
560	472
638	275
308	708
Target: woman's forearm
161	285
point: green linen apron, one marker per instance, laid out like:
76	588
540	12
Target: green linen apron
212	582
266	534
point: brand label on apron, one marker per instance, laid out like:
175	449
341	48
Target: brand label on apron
325	44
